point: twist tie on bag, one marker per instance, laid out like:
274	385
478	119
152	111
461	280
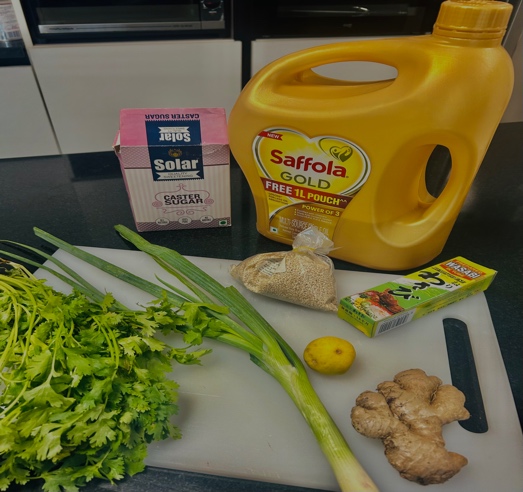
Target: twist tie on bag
314	240
303	276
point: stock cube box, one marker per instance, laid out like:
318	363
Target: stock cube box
393	304
176	167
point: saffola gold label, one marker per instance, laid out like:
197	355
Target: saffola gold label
307	180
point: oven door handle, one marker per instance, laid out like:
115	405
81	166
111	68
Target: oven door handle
351	10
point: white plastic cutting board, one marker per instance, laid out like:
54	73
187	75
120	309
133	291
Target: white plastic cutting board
237	421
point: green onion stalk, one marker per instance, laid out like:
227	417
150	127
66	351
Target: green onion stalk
210	301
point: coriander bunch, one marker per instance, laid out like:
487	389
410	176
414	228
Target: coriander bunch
83	383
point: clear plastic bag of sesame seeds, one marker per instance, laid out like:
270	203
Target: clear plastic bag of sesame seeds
303	275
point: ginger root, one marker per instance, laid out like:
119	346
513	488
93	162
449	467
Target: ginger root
408	414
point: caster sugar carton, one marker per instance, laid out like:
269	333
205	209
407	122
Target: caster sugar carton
176	167
392	304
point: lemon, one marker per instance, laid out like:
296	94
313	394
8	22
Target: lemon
329	355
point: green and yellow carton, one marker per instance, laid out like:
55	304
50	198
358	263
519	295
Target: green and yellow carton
392	304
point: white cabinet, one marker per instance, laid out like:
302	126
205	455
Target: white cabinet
514	111
25	129
85	85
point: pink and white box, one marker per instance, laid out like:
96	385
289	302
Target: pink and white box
176	167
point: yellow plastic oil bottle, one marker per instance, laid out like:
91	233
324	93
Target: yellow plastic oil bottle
351	157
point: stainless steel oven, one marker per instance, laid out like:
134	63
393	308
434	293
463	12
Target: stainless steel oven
62	21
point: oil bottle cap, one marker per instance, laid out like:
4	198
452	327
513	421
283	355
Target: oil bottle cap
473	19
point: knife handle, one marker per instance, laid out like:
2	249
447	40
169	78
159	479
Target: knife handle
464	374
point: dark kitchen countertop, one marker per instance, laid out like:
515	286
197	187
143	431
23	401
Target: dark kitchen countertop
81	197
13	55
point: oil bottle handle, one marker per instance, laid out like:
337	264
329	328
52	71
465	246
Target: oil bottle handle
460	180
386	52
418	216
